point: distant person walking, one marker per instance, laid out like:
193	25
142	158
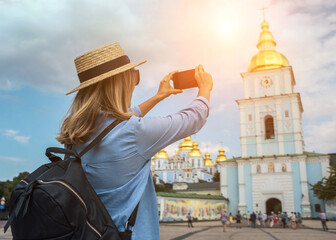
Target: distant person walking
279	218
238	218
230	219
259	219
224	220
293	220
298	219
2	204
189	220
264	219
271	220
323	217
275	218
248	217
284	218
253	219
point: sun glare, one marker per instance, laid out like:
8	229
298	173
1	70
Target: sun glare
225	26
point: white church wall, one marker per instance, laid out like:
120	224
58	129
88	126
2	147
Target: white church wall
272	185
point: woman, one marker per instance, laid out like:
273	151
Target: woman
230	219
293	220
118	167
275	218
224	220
271	220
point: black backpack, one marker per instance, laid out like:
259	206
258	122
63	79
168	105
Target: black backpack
56	201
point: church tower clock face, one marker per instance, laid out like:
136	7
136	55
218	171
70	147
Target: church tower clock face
266	82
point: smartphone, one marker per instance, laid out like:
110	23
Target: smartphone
185	79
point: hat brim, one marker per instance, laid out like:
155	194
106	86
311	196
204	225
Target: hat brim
105	75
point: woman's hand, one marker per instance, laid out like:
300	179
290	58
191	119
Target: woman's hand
204	81
165	89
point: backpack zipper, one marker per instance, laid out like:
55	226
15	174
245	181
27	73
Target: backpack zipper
24	181
77	195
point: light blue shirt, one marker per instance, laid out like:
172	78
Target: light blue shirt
118	167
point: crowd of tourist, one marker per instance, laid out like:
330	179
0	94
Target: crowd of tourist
259	219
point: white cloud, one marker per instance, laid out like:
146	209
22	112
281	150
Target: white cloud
10	159
13	134
220	108
321	137
10	132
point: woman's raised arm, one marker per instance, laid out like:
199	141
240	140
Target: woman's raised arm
204	81
165	90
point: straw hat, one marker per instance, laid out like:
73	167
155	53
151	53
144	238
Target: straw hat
101	63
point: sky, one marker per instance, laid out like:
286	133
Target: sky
40	39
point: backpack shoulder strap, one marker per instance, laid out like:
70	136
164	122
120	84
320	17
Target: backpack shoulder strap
127	235
99	137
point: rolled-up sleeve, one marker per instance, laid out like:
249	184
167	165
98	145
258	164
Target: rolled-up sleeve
137	110
154	133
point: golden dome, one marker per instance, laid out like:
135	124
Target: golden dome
195	152
221	156
186	144
268	57
162	154
207	160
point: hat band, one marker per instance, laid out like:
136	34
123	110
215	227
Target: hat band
103	68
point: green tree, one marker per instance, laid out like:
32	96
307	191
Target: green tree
325	189
7	187
162	187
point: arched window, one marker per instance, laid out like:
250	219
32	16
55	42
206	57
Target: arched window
283	167
286	113
271	168
199	163
158	164
258	169
269	127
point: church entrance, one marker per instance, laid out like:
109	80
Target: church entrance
273	205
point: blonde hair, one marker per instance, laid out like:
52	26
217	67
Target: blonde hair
94	104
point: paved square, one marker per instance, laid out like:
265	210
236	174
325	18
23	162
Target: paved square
213	230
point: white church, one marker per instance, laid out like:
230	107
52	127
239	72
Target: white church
187	165
274	171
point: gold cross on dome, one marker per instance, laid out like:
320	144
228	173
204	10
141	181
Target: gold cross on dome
263	9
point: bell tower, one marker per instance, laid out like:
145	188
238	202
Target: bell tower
271	112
